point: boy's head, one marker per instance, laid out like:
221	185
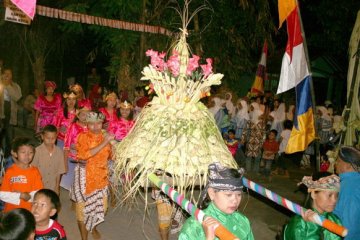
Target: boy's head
231	134
95	121
22	150
49	135
288	124
272	134
17	224
45	205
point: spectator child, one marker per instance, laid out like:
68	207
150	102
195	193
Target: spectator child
270	149
283	157
231	142
220	198
49	159
46	204
21	180
17	224
90	187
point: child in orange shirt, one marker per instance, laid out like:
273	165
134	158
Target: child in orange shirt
21	180
270	149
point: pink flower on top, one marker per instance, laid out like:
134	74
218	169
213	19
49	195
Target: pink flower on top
207	68
157	60
174	64
192	65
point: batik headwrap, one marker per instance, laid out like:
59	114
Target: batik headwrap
220	179
329	183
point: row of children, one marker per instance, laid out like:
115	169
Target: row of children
22	188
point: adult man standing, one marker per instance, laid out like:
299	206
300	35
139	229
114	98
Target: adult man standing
10	93
348	205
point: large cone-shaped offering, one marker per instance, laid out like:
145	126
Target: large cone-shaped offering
175	134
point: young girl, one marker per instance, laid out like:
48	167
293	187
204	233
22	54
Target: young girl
109	111
122	127
283	157
231	142
220	200
254	137
82	101
323	190
77	127
278	116
64	117
46	106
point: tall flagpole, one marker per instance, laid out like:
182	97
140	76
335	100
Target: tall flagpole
316	140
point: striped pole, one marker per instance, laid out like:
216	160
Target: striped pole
220	231
296	208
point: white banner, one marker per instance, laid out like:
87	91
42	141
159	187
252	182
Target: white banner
13	14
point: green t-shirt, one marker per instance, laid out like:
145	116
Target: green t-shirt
299	229
236	223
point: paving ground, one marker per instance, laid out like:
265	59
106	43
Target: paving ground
266	217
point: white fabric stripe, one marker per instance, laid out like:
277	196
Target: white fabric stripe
292	73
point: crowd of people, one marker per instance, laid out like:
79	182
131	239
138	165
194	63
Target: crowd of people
78	129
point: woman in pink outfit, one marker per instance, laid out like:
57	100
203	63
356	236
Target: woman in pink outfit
110	111
65	116
122	127
46	106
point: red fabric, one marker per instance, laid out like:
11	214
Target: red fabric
141	102
95	97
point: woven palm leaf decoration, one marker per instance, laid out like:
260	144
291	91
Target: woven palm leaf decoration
175	134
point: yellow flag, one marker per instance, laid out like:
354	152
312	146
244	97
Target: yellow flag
285	8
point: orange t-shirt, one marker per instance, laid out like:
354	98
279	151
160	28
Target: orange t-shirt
97	165
21	180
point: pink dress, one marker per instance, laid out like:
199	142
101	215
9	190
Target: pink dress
62	123
110	118
70	144
47	110
121	128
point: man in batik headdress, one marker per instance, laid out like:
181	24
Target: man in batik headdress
220	200
90	188
348	207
